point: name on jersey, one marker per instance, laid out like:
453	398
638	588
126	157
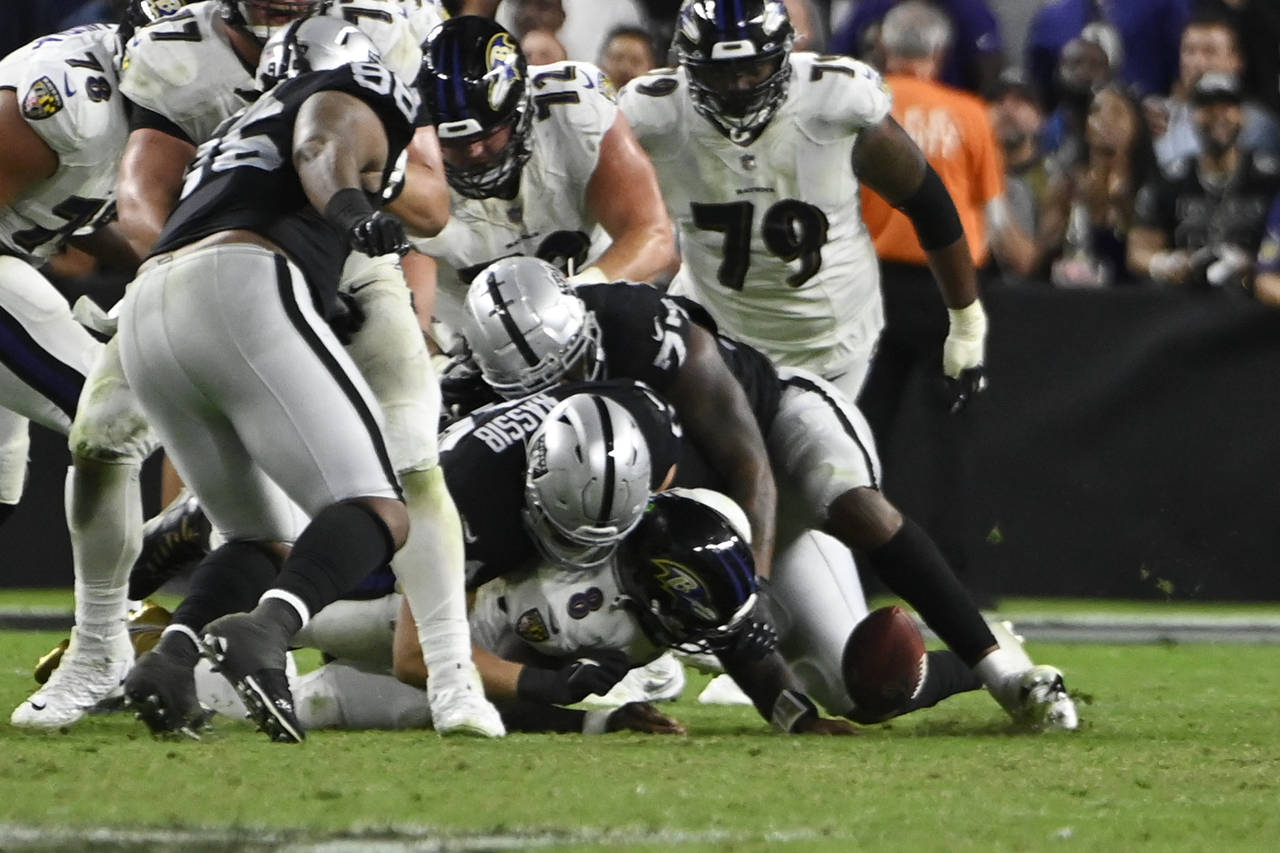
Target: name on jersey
42	100
514	425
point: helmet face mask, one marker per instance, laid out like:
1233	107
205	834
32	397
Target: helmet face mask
527	329
263	18
688	574
737	66
312	44
586	480
475	80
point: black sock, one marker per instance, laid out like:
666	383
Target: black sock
279	613
947	675
342	544
229	579
179	646
913	568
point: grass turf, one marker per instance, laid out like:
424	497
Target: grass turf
1178	751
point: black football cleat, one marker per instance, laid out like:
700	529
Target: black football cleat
247	654
162	692
171	541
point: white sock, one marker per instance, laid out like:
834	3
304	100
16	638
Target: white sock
430	571
104	513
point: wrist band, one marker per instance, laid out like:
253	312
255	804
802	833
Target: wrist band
969	322
596	721
791	709
347	207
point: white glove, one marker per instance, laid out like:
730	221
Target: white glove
965	346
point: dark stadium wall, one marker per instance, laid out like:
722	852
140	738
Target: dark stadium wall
1127	447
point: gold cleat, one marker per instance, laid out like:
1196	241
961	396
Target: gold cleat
145	625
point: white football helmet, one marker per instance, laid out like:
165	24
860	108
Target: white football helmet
528	330
312	44
586	480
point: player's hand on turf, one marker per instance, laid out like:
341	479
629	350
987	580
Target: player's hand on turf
826	726
378	234
643	717
592	672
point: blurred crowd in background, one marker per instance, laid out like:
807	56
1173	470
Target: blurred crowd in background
1136	140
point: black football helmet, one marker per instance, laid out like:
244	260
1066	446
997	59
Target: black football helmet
475	80
272	14
687	572
720	42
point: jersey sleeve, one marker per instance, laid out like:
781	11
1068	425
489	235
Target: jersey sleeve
654	114
645	334
574	95
387	24
847	95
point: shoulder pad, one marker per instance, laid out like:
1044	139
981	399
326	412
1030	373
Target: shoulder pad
649	103
387	25
839	91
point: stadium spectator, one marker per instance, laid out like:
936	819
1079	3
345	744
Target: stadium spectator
541	47
580	25
1089	208
1258	24
1200	222
1149	31
627	53
1087	63
1018	121
974	60
1209	44
1267	283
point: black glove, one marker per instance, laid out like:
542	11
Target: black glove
959	393
756	636
593	672
368	231
463	389
346	317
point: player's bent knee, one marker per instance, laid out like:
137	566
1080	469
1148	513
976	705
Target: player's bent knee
863	518
392	514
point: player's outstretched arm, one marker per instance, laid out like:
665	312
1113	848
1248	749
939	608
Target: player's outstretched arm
27	159
423	205
778	695
718	418
624	197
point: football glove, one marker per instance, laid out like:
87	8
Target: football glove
963	353
346	317
594	672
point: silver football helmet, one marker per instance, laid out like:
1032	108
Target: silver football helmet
586	480
312	44
528	330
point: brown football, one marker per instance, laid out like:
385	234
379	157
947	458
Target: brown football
884	662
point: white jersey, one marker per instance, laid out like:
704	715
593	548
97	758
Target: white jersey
183	68
771	233
559	613
394	26
66	88
424	16
549	216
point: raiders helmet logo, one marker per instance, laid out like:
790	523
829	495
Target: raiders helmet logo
42	100
500	57
531	628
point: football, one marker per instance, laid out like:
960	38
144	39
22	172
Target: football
884	662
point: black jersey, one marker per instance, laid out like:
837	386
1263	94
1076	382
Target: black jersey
1194	214
645	336
244	178
483	458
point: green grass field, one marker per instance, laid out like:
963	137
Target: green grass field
1179	750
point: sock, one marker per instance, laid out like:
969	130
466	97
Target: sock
277	610
176	643
946	676
913	568
229	579
343	543
429	569
104	514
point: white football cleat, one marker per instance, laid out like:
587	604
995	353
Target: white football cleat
660	680
91	670
723	690
1043	701
459	707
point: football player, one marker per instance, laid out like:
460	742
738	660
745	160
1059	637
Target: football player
535	157
252	255
64	126
818	443
184	76
759	151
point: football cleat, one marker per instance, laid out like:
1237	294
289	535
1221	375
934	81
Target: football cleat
171	541
91	670
1043	701
723	690
145	625
460	708
245	652
162	692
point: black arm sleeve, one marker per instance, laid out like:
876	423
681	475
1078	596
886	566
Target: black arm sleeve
933	213
141	117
